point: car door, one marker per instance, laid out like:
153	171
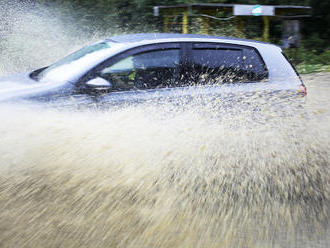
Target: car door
230	72
138	73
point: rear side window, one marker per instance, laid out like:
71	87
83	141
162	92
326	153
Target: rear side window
254	67
216	64
217	58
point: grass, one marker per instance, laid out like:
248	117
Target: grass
309	61
304	68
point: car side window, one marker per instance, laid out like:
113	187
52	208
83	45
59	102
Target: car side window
145	70
216	64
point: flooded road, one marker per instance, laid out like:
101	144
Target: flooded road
134	178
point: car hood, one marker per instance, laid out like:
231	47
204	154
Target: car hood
21	85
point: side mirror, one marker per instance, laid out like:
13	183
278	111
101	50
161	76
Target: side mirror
99	83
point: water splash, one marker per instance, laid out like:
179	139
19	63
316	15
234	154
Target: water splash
34	36
131	177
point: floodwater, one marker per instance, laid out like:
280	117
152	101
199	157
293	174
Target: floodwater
141	177
166	176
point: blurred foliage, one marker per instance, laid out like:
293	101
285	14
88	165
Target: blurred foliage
309	60
137	15
123	16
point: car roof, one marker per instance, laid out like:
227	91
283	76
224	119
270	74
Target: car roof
130	38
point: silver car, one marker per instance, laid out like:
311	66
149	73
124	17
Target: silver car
139	67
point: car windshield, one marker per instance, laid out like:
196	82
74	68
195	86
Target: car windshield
75	64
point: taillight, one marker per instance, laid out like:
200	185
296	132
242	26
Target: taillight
302	90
